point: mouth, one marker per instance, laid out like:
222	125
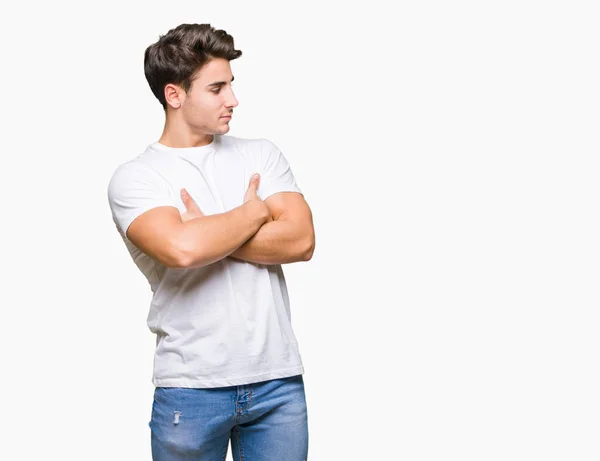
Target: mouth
227	117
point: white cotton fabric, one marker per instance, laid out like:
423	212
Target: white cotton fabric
227	323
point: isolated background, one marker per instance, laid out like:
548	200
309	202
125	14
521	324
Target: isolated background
449	152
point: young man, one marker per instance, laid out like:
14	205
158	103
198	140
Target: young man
209	219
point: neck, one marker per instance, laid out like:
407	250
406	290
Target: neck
179	135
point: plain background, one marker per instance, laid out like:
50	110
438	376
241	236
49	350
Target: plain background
449	152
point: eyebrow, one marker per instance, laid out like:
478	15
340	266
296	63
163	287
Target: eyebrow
219	83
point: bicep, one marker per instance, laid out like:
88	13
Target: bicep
154	233
144	211
291	206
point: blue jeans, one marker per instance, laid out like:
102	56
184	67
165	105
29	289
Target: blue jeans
265	421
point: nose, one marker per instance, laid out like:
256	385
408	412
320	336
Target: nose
231	100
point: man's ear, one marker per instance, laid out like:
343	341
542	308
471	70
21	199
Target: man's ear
174	95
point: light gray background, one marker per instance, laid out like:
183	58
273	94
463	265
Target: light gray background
449	152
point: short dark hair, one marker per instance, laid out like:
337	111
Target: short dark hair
179	54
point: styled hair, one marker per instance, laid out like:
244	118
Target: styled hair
178	55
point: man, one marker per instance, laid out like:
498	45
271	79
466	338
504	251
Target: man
209	219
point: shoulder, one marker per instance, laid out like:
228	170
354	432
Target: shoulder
132	173
132	168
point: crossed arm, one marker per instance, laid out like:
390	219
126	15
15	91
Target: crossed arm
276	231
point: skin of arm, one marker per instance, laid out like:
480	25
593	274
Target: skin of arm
286	238
221	233
162	235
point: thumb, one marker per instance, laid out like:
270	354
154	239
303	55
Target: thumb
188	201
254	181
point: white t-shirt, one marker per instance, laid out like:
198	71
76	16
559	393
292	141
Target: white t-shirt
227	323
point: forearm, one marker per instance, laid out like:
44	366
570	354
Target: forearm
276	242
208	239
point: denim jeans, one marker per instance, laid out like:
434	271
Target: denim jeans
265	421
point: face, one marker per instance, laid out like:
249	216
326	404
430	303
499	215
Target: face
208	106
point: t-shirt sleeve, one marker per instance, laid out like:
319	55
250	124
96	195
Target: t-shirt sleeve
276	174
133	190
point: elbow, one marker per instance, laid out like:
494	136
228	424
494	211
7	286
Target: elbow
179	264
177	260
180	256
309	249
190	256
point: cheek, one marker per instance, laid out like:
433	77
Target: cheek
201	108
210	105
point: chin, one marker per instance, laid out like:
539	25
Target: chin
222	129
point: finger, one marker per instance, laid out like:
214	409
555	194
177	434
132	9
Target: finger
185	197
188	201
254	180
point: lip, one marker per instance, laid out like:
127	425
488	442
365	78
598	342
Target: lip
227	116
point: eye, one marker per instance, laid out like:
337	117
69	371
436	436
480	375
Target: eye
216	90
